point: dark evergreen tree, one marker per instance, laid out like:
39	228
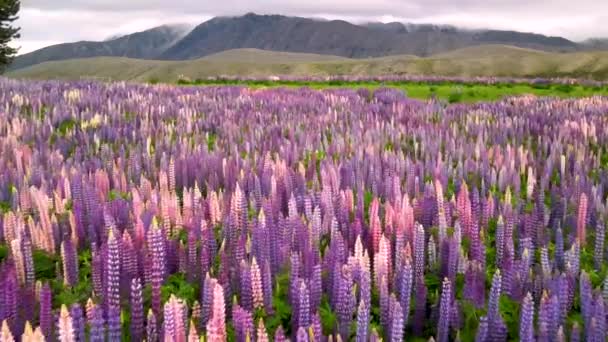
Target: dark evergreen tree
8	32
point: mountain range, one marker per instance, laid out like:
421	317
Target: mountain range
297	35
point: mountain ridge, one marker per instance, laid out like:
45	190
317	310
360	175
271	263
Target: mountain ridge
297	35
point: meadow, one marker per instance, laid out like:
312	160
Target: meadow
452	92
329	213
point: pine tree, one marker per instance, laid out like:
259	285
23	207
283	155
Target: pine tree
8	32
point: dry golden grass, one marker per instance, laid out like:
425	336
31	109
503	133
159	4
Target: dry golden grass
489	60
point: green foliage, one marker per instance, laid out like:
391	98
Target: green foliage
466	244
115	194
3	252
433	284
180	235
328	317
211	139
45	265
450	189
65	126
471	316
69	295
230	333
5	207
125	322
564	88
177	284
129	116
282	309
509	309
455	97
79	293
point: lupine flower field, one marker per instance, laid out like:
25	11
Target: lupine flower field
163	213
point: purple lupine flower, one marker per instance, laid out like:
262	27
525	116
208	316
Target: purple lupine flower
420	308
559	249
245	286
206	299
97	326
544	261
563	288
581	222
28	261
192	256
543	332
302	335
294	285
70	263
316	287
384	303
545	315
112	273
129	267
303	306
405	289
598	254
362	321
279	335
156	246
243	322
500	240
396	324
482	330
599	313
137	310
78	322
605	289
474	289
152	333
432	253
97	270
443	326
267	287
114	325
419	253
46	313
575	333
345	301
493	301
316	327
526	321
586	298
366	286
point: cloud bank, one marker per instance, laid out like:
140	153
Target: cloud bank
45	22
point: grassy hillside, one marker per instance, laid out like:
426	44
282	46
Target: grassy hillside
489	60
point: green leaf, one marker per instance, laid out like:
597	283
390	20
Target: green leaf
45	264
328	317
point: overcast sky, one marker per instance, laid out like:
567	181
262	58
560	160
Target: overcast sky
47	22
